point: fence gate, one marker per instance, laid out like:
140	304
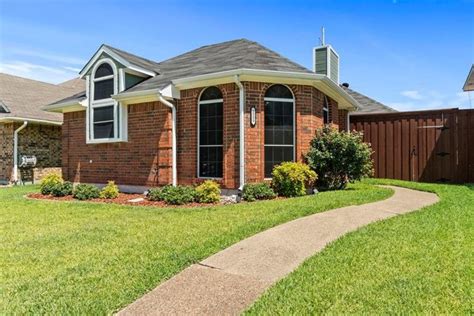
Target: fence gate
428	146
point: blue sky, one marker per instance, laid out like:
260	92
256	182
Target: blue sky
407	54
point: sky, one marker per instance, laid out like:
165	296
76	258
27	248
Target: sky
407	54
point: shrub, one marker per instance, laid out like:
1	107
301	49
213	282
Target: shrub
110	191
208	192
339	158
49	182
85	191
257	191
62	189
177	195
292	178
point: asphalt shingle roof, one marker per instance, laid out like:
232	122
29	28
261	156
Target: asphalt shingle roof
134	59
367	105
24	97
224	56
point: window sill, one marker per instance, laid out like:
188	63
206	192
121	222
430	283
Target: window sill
105	141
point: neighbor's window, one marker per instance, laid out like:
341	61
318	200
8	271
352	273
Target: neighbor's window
210	133
279	127
326	111
104	113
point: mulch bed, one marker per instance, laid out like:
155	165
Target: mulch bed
122	199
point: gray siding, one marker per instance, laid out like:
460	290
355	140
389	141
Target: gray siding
321	61
334	71
131	80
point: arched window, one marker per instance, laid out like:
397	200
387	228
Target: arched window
279	127
210	133
104	113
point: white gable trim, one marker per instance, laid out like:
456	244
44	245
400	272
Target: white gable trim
117	58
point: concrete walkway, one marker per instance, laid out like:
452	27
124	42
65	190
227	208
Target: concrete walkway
229	281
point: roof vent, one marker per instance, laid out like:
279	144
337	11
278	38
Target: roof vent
345	85
326	60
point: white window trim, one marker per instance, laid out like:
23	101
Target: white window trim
120	130
326	109
199	135
286	100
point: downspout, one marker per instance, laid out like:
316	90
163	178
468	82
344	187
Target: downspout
174	144
348	121
241	133
15	151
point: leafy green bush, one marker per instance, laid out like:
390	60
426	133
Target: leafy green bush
257	191
339	158
292	178
177	195
208	192
110	191
62	189
85	191
49	182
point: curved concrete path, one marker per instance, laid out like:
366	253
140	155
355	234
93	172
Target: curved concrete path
229	281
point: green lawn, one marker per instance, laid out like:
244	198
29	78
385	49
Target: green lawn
86	258
416	263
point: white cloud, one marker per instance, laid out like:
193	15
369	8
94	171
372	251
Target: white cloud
425	100
37	71
72	69
412	94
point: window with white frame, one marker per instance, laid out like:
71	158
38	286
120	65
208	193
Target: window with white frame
210	136
104	115
326	110
279	127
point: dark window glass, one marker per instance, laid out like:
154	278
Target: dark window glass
104	70
3	109
278	91
104	122
279	128
105	113
103	89
326	111
210	134
211	93
210	162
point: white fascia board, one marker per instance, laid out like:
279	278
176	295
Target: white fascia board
72	106
321	82
170	92
121	60
10	119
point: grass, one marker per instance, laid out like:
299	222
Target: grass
86	258
421	262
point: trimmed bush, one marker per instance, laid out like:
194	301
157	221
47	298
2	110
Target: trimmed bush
85	191
339	158
49	182
110	191
257	191
208	192
178	195
292	178
62	189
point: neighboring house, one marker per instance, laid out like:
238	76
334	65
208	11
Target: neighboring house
38	132
144	123
469	84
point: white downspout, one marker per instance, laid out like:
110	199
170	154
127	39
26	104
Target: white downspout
15	151
241	132
174	143
348	121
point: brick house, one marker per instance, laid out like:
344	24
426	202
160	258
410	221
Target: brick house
144	123
37	132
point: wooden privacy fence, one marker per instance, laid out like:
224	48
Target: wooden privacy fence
428	146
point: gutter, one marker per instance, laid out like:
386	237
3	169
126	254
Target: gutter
173	142
241	132
15	151
9	119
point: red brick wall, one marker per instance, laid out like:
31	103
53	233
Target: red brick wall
308	105
187	135
144	160
343	119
